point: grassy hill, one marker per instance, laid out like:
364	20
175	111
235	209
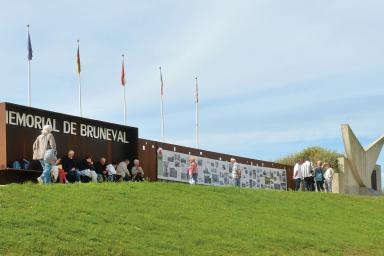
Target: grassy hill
177	219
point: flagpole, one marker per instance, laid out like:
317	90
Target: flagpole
80	105
29	83
162	105
125	107
197	113
29	71
124	97
79	76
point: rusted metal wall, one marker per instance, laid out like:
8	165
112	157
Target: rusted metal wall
148	155
3	141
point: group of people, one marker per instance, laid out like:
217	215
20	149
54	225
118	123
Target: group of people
69	169
192	171
86	170
317	178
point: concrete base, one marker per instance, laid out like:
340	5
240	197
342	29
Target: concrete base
345	182
368	192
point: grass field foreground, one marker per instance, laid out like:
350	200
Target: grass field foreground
177	219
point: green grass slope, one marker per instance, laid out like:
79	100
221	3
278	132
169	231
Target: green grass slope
177	219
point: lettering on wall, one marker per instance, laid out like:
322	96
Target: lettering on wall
66	127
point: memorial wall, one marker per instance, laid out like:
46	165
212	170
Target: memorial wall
19	127
174	166
214	167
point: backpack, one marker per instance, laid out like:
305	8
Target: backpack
16	165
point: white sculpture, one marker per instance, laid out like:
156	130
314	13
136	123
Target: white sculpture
362	160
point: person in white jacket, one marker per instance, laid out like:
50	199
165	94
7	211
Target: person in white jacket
44	142
328	176
297	176
236	172
307	174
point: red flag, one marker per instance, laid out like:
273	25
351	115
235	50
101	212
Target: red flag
197	92
122	74
78	58
161	83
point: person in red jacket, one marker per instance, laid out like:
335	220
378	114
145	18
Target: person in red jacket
62	173
192	170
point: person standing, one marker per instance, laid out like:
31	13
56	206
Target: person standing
328	177
192	170
306	172
236	173
44	150
319	177
297	176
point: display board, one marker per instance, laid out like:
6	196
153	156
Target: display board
174	166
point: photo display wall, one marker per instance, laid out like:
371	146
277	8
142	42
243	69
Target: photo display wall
174	166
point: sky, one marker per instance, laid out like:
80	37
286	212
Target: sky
275	76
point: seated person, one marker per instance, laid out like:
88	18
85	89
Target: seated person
137	171
69	166
87	168
111	172
101	169
62	174
122	172
22	164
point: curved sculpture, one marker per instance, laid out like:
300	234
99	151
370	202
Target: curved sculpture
362	160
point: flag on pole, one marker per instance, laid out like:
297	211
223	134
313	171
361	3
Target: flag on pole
196	92
123	73
197	112
123	84
78	66
30	53
161	83
161	104
30	56
78	69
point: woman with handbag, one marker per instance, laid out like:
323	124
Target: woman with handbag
44	150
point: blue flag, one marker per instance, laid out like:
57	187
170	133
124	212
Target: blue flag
30	55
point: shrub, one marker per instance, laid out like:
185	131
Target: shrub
313	154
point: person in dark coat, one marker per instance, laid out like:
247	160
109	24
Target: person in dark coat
101	169
69	165
87	168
